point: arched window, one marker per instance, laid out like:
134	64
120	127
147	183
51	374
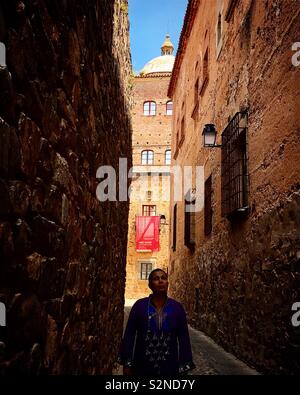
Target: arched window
169	109
2	55
149	108
147	157
168	157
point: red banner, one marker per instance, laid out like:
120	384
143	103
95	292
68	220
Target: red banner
147	233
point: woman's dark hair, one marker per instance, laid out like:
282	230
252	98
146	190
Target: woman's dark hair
155	270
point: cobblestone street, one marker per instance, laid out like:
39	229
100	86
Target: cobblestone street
209	358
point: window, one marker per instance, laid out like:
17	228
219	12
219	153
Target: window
189	220
149	108
205	72
149	195
2	55
147	157
174	227
196	100
149	211
146	269
235	167
182	131
196	92
219	35
207	207
169	109
168	157
219	29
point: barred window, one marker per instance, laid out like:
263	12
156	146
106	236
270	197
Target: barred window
207	207
149	108
235	166
149	211
146	269
147	157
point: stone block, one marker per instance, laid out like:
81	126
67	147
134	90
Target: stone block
10	159
30	136
5	203
22	237
20	196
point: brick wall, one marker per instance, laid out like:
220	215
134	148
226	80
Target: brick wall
245	273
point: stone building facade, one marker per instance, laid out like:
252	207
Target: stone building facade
235	262
62	252
151	142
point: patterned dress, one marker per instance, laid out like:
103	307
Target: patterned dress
156	342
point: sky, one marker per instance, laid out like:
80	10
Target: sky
150	21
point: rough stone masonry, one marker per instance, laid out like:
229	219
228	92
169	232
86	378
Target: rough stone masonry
64	111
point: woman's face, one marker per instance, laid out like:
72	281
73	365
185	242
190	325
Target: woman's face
159	282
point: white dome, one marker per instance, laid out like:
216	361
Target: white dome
161	64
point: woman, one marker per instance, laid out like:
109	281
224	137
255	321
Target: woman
156	339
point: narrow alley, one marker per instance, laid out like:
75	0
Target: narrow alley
209	358
149	145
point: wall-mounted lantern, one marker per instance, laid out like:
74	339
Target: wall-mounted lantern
209	136
163	220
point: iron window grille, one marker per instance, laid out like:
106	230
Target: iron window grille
149	211
235	177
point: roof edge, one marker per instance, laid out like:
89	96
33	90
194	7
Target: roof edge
160	74
185	33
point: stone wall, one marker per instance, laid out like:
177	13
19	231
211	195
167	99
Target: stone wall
63	113
241	281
